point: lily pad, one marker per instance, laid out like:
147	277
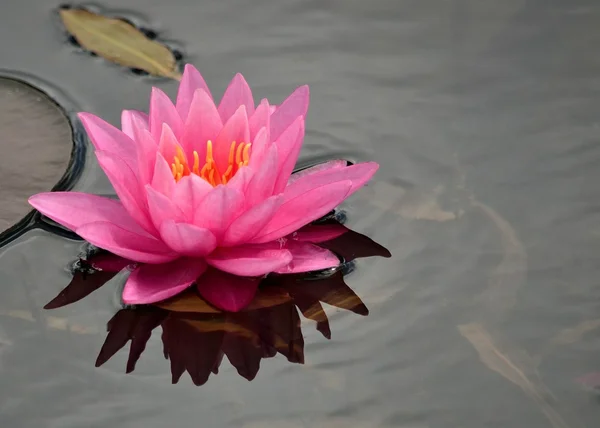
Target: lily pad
120	42
36	147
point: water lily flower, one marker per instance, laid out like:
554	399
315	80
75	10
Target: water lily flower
206	188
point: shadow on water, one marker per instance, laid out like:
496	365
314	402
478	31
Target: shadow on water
196	336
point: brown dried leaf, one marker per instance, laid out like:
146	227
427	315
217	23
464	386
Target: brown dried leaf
119	42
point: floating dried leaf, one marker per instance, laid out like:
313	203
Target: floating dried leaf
119	42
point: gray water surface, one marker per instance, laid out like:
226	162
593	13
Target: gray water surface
484	117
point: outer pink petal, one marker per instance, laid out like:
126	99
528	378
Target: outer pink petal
163	179
132	119
110	263
359	174
293	106
107	138
225	291
188	239
308	257
162	208
316	233
162	111
334	164
203	123
260	118
262	184
189	192
124	243
246	226
74	209
127	188
235	129
237	94
218	208
302	209
153	283
191	81
251	260
289	145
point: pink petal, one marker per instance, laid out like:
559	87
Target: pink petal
359	174
188	239
293	106
241	179
260	146
162	111
119	241
250	260
308	257
109	262
127	188
189	192
316	233
235	129
246	226
162	208
289	145
263	181
131	120
334	164
259	119
163	180
74	209
146	154
153	283
203	123
218	208
107	138
191	81
237	94
225	291
302	209
168	144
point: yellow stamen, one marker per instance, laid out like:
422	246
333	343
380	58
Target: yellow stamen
231	152
239	156
209	152
196	169
246	155
227	174
238	153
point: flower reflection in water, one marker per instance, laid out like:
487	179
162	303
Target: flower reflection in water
196	335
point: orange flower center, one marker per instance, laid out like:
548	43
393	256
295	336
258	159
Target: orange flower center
239	155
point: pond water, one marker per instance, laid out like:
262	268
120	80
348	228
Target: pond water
484	117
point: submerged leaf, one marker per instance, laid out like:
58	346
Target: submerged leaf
495	360
119	42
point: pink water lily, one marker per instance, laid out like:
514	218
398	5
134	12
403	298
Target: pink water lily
204	189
